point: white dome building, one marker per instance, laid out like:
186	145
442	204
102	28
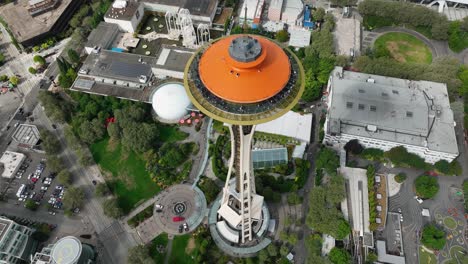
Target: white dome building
170	102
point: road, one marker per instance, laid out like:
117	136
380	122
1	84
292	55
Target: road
300	248
109	231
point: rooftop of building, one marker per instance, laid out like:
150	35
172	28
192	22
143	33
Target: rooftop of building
231	67
23	25
102	35
387	258
196	7
225	14
4	225
409	112
11	161
26	134
122	10
118	65
291	124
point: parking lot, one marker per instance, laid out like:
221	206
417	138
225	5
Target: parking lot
34	182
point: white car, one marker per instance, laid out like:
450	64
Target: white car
21	199
44	188
30	176
418	199
401	218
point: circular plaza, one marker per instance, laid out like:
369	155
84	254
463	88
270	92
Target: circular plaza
179	205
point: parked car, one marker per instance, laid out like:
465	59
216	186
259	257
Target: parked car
186	228
418	199
177	218
181	228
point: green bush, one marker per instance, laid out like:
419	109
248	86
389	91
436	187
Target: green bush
465	192
400	157
141	216
426	186
302	171
372	154
400	177
371	194
448	168
433	237
371	22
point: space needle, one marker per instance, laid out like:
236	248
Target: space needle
243	80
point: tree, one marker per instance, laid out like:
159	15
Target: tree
400	177
209	188
433	237
64	177
39	60
54	163
32	70
2	58
284	251
339	256
102	189
282	35
113	130
111	208
371	258
440	28
139	255
73	198
272	250
31	205
73	56
426	186
327	160
319	14
50	143
3	78
354	147
92	131
14	80
464	24
263	256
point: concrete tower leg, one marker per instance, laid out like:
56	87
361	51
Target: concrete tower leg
241	199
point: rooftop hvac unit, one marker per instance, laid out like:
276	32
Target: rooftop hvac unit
370	80
371	128
143	78
120	4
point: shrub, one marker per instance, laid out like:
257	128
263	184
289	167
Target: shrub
426	186
400	157
400	177
433	237
353	147
32	70
372	154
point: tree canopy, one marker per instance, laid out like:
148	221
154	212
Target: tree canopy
426	186
339	256
433	237
139	255
327	160
354	147
282	35
111	208
64	177
39	60
73	198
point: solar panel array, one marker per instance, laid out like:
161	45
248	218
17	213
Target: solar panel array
267	158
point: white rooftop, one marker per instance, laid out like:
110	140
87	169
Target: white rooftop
11	161
291	124
358	194
409	112
67	250
170	101
251	8
299	37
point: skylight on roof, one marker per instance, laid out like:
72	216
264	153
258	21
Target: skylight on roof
349	105
409	114
373	108
361	106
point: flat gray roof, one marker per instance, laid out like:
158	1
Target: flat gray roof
196	7
24	26
409	112
4	225
27	134
103	35
118	65
386	258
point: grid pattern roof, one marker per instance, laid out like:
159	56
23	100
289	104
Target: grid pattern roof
267	158
84	83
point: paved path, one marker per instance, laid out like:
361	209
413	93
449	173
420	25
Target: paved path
168	250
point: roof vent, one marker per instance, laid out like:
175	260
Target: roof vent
371	128
143	78
370	80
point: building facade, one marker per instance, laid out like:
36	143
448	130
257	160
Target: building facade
383	112
126	14
16	243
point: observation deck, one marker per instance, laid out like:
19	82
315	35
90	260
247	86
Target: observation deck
244	79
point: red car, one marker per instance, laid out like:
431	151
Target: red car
432	173
177	218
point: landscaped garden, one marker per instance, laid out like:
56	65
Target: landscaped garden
158	248
426	257
129	179
180	252
403	48
450	223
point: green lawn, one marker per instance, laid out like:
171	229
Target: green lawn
171	134
155	255
450	223
426	257
132	182
403	48
178	254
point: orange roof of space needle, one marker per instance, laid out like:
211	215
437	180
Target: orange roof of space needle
260	76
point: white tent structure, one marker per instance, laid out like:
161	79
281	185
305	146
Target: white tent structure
170	102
